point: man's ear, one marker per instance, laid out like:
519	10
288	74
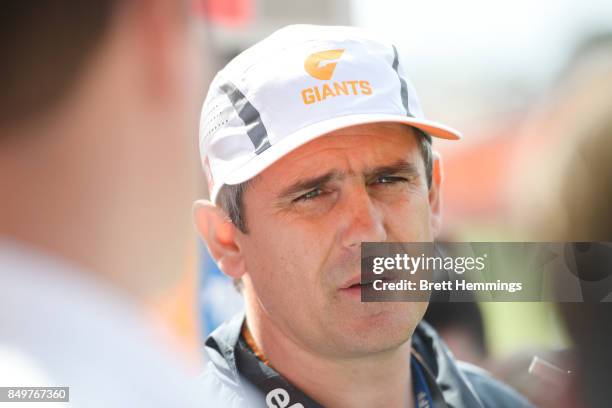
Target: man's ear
219	234
435	199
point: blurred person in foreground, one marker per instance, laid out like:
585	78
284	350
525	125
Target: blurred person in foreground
588	202
98	106
313	141
586	198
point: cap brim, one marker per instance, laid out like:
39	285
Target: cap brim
291	142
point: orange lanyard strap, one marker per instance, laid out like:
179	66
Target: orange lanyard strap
246	334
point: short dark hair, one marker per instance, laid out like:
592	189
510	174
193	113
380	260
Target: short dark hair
44	44
231	197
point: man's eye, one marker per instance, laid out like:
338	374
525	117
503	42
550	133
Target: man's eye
389	180
309	195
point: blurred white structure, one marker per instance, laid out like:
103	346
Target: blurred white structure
474	61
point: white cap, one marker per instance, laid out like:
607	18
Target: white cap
300	83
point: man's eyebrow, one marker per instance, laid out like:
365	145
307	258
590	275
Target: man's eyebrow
400	166
309	184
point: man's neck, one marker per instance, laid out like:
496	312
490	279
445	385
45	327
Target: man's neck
378	379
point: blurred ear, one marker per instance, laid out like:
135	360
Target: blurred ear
219	234
434	194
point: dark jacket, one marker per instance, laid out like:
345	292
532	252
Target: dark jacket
241	380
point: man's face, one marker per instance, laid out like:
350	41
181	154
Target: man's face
307	215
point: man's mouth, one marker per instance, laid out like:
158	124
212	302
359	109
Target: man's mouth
355	284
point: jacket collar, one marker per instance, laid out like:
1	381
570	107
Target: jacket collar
444	376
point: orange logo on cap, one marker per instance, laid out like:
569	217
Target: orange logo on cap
320	92
325	72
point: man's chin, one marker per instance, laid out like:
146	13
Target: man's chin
378	327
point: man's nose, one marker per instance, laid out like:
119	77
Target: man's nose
361	219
